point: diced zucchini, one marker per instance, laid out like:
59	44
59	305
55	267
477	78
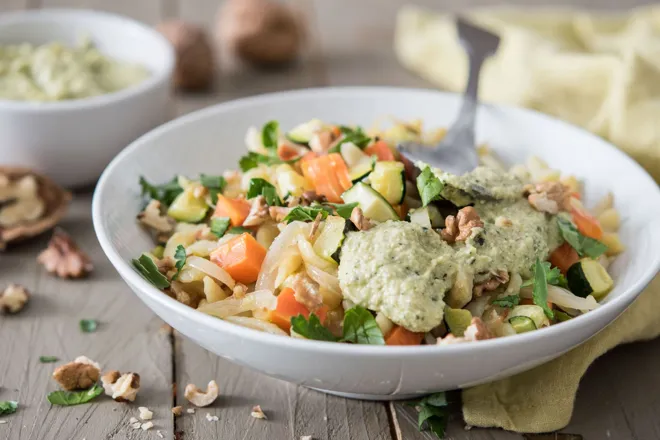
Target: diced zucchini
535	313
389	179
188	208
303	133
457	320
352	154
522	324
331	238
421	217
589	277
361	170
437	221
373	205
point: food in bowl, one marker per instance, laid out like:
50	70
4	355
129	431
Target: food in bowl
57	72
326	233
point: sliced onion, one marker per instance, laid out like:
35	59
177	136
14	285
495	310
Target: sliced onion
260	299
256	324
564	298
291	262
329	281
276	252
211	270
202	248
478	305
311	258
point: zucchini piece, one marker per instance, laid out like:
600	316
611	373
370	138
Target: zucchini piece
421	217
303	133
589	277
522	324
457	320
188	208
533	312
437	221
373	205
359	164
330	239
361	170
389	179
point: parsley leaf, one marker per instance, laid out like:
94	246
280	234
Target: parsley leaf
312	329
583	245
219	226
509	301
270	134
262	187
360	327
165	193
148	269
253	160
552	274
434	412
180	258
429	186
540	291
88	325
215	185
356	136
237	230
48	359
343	210
305	214
68	398
8	406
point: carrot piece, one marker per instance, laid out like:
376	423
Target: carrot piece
381	150
328	174
400	336
236	209
336	131
587	224
289	152
401	210
241	257
530	302
564	257
288	307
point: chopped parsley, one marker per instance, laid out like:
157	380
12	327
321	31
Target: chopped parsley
509	301
552	275
261	187
8	406
343	210
180	258
429	186
68	398
540	290
215	185
48	359
305	214
88	325
360	327
583	245
270	134
148	269
165	193
312	328
253	160
219	226
237	230
433	412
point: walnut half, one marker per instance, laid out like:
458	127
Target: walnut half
80	374
121	387
459	228
13	299
550	197
64	258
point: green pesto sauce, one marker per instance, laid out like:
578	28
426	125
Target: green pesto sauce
480	184
55	72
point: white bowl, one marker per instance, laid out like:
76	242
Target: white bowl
72	141
211	141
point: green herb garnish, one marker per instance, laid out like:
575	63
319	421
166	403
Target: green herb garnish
540	290
509	301
219	226
312	329
215	185
552	275
305	214
165	193
270	134
237	230
261	187
88	325
433	412
343	210
180	258
8	406
360	327
148	269
429	186
583	245
68	398
561	316
48	359
253	160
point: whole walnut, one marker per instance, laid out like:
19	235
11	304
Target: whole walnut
260	32
194	54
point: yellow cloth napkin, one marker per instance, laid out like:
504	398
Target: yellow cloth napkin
600	72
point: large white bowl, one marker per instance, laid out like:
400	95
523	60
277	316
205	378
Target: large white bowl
73	141
211	141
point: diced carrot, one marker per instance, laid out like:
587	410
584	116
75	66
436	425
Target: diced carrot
587	224
288	307
564	257
530	302
241	257
287	151
328	174
400	336
401	210
381	150
236	209
336	132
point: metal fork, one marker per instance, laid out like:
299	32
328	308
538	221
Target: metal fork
456	153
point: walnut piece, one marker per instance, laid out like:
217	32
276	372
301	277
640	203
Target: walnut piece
306	291
199	398
476	331
459	228
278	213
177	411
145	413
13	299
308	197
497	279
194	54
153	219
257	412
550	197
121	387
260	32
80	374
258	212
360	221
64	258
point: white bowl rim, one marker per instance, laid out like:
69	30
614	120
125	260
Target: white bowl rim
135	279
154	80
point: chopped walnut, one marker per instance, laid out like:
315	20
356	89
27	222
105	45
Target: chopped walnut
147	426
476	331
278	213
258	212
177	411
13	299
306	291
200	398
165	264
459	228
309	197
183	296
360	221
80	374
292	202
121	387
497	279
153	219
145	413
64	258
257	412
550	197
20	201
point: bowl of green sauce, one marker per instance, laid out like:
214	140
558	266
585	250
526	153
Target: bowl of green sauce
76	86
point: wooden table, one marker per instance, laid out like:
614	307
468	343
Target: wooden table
350	43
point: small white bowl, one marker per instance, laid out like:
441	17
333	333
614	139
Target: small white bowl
72	141
214	138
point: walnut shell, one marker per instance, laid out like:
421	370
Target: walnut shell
260	32
194	54
56	201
